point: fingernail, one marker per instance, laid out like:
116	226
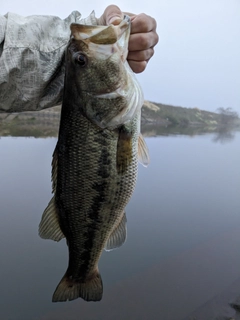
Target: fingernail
115	20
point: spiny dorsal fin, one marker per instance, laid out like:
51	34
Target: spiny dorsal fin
49	226
54	169
124	149
118	236
143	153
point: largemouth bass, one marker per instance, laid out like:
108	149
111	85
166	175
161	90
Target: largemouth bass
94	166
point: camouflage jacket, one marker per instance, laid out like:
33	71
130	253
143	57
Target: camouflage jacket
31	60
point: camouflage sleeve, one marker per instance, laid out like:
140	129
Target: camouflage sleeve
31	60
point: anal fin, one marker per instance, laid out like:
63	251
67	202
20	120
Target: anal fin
118	235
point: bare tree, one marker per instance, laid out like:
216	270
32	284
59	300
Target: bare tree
228	116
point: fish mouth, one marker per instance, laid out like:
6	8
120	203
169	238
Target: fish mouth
100	44
104	38
100	34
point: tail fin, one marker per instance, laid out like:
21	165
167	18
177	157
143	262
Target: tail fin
70	289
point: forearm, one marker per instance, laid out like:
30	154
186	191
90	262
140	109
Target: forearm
32	60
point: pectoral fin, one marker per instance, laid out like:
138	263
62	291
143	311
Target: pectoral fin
49	226
118	236
143	153
124	149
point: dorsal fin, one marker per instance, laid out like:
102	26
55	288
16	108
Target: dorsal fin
54	169
49	227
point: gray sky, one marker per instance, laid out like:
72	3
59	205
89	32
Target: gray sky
197	61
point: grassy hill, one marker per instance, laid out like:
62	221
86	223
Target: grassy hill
156	118
172	115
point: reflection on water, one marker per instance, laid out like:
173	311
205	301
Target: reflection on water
181	260
220	134
224	136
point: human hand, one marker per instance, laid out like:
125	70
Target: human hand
142	39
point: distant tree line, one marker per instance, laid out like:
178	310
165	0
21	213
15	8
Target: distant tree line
227	116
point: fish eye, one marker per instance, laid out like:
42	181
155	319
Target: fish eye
81	59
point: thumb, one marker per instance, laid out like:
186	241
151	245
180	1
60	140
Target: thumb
111	15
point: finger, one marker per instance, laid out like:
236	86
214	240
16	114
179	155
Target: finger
137	66
111	15
143	23
142	41
141	55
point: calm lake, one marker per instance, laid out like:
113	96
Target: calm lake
181	260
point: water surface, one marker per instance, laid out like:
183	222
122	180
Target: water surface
183	246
